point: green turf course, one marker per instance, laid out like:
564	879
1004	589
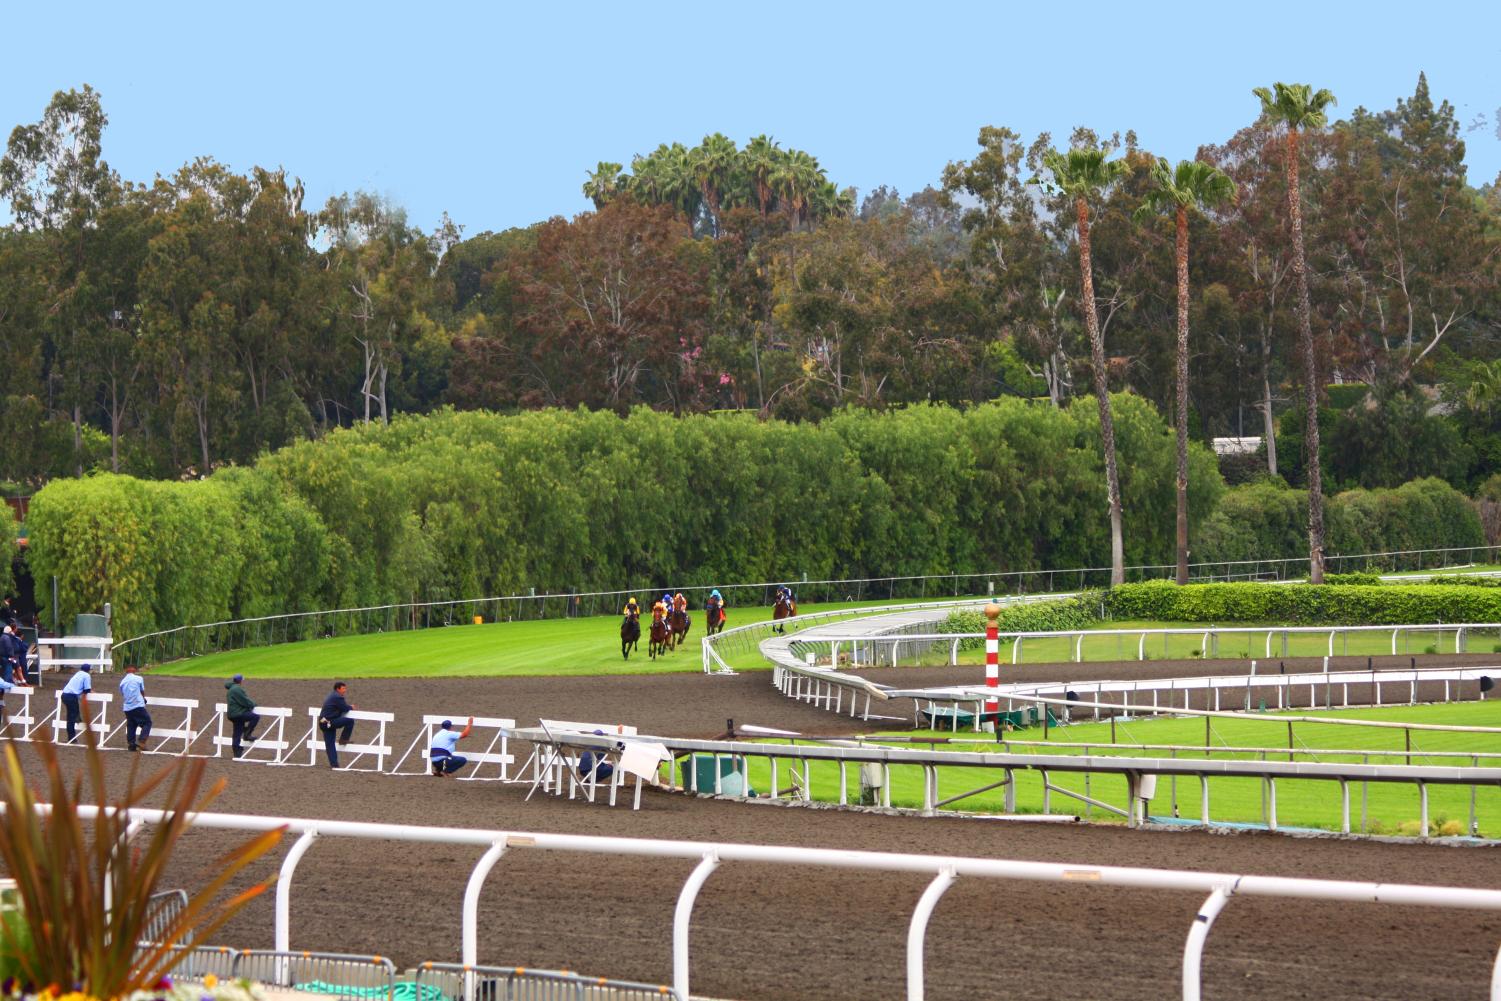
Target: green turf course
1388	808
549	647
1230	646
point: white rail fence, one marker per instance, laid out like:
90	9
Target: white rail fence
749	638
886	649
1219	887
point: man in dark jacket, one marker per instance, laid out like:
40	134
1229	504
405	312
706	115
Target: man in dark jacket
334	721
12	656
240	711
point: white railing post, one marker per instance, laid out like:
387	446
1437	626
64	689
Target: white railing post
1198	932
284	896
470	954
680	917
917	931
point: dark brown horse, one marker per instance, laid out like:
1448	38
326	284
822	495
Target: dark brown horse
678	621
714	618
785	608
661	637
630	635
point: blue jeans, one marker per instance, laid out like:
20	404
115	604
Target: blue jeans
336	728
75	714
137	720
449	764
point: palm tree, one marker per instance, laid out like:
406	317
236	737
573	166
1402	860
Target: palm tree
1081	174
605	182
794	179
1298	107
758	160
1194	184
714	162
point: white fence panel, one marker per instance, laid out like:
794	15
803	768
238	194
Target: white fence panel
496	751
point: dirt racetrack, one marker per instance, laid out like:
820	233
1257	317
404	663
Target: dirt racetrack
765	933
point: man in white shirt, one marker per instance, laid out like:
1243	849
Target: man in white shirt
75	697
133	703
444	761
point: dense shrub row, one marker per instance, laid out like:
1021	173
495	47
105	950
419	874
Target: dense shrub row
7	548
1079	612
457	505
1266	520
1295	604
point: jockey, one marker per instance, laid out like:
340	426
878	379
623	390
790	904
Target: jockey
659	611
631	610
680	603
716	600
785	591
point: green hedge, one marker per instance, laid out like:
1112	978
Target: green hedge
8	529
1266	520
1079	612
1304	604
460	505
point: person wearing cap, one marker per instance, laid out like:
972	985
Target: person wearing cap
133	704
441	753
334	721
593	763
239	709
75	696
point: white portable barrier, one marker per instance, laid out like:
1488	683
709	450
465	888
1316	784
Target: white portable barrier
97	703
355	751
271	736
17	712
160	733
496	752
98	655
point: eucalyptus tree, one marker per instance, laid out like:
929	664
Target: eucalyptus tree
1080	175
1192	184
1299	107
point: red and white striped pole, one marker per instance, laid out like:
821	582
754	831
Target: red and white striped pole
993	655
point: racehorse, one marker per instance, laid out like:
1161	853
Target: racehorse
630	635
678	621
714	618
785	608
660	637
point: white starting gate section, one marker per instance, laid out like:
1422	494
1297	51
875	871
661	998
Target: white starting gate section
355	751
497	751
270	739
160	732
97	703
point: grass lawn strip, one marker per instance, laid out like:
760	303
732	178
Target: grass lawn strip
547	647
1388	808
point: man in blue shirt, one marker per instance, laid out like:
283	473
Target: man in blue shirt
133	702
334	721
75	697
444	761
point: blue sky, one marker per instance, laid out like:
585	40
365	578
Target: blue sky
495	112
